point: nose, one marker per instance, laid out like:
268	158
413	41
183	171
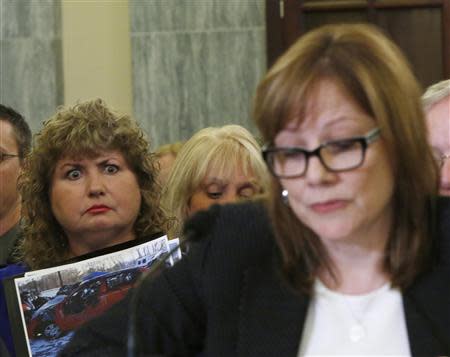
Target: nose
317	173
96	185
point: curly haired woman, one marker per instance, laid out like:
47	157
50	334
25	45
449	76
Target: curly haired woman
88	184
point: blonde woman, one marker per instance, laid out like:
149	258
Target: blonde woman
215	166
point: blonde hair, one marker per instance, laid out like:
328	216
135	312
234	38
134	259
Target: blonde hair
82	130
172	148
377	76
436	93
211	149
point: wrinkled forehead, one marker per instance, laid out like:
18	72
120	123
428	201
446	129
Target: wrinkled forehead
91	154
82	153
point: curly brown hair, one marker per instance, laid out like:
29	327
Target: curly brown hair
82	130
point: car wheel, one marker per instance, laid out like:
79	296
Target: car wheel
51	331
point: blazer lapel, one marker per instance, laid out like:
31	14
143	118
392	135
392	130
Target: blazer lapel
271	315
427	312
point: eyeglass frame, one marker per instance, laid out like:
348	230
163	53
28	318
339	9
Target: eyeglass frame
441	160
364	140
5	156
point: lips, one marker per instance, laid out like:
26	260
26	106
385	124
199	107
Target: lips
96	209
328	206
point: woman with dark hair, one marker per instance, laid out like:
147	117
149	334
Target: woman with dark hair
350	253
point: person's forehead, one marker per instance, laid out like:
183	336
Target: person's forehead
438	116
7	135
90	156
232	173
441	106
438	121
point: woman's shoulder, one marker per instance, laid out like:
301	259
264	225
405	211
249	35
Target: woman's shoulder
443	229
443	207
234	221
10	270
239	232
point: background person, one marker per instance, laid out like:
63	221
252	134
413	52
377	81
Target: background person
216	165
15	142
436	102
166	156
89	183
346	260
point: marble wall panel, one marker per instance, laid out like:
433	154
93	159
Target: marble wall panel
197	73
201	15
30	58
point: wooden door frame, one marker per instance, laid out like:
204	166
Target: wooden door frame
285	24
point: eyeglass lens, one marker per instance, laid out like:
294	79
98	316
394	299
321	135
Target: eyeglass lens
335	156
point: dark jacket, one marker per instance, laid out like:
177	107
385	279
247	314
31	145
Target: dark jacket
226	298
6	339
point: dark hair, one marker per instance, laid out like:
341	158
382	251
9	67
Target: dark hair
22	132
377	76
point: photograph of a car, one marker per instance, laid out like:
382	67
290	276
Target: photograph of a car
84	301
56	301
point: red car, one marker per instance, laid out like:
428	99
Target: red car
89	299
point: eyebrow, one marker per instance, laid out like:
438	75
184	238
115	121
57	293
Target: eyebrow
214	180
105	161
249	184
339	120
66	165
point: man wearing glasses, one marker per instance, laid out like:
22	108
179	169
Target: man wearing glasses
15	142
436	101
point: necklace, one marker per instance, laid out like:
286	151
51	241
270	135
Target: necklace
355	306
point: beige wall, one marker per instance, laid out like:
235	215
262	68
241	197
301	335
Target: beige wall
96	52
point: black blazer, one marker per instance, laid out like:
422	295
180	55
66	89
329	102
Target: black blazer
226	298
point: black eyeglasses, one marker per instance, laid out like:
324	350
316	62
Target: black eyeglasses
335	156
5	156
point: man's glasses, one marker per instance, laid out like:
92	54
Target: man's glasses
4	156
335	156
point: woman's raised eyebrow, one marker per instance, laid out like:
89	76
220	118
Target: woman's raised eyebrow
69	164
104	162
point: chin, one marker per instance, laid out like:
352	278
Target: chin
331	230
330	235
100	227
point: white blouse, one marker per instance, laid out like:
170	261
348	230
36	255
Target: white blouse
359	325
